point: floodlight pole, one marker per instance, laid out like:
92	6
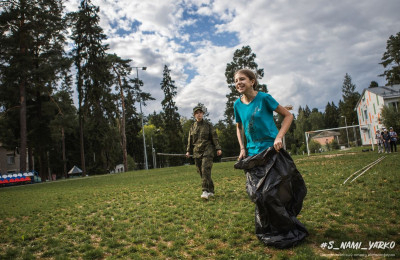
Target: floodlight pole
140	105
347	132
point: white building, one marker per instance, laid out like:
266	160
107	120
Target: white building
369	109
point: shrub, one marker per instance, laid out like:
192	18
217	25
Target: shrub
303	148
131	163
314	146
293	149
335	145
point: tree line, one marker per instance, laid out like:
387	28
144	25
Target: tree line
38	118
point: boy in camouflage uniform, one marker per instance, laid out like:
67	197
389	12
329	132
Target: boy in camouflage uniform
202	142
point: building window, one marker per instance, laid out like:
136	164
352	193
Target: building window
366	114
10	159
394	104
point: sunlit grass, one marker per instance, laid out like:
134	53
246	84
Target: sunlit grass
158	214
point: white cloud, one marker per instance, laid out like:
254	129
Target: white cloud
305	47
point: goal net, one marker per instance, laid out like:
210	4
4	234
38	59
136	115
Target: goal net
324	140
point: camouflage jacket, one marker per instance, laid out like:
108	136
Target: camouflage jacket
202	140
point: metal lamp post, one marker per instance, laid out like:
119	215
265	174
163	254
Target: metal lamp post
140	105
347	132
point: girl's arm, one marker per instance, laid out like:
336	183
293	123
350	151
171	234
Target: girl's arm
287	121
242	153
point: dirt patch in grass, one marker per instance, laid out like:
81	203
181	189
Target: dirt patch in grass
336	155
325	156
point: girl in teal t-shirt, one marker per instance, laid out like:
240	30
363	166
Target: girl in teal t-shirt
254	113
258	122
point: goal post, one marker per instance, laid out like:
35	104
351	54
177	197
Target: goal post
326	137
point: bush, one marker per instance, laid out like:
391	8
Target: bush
131	163
303	148
328	147
390	116
335	145
293	149
314	146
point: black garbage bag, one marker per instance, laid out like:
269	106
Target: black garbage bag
277	188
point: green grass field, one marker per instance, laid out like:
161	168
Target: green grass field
158	214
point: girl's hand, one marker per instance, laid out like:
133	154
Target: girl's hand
278	144
242	154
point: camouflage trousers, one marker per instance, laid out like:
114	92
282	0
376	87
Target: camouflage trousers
204	166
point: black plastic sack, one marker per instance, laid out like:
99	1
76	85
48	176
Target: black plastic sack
277	188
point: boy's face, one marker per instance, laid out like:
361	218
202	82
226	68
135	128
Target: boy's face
198	115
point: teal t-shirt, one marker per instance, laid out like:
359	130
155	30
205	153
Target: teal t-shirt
258	122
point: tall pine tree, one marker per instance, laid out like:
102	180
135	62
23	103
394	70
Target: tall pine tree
96	106
347	107
331	115
32	45
121	69
350	98
172	124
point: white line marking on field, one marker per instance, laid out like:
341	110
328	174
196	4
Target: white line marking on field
364	169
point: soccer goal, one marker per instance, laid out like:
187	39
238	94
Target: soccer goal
332	139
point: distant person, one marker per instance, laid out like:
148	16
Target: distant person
386	140
202	143
393	140
379	141
278	200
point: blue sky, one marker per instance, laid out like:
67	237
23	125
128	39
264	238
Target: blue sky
305	47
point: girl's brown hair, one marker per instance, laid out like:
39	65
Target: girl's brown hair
250	74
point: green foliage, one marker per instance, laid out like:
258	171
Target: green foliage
131	163
347	106
289	136
62	130
92	72
335	145
293	149
350	99
391	60
242	58
331	115
314	146
32	57
391	117
186	125
227	139
316	120
171	119
373	84
303	149
302	125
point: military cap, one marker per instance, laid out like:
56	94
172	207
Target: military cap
197	108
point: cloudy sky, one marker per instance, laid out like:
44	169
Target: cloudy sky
305	47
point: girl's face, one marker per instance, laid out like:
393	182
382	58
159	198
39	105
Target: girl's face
243	83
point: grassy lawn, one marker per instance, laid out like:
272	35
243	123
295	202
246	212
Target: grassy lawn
158	214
